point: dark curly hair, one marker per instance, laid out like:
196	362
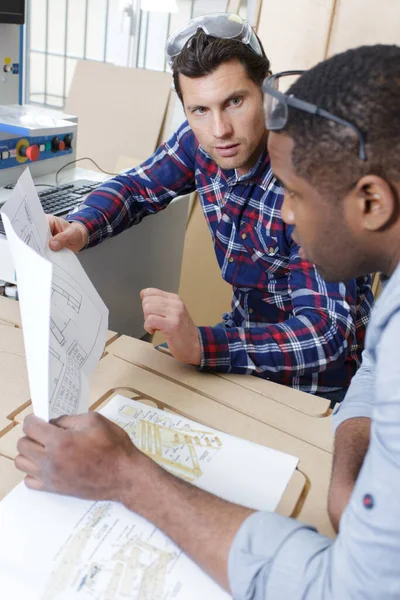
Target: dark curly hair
203	54
361	85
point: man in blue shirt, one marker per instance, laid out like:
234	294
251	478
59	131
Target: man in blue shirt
286	323
341	117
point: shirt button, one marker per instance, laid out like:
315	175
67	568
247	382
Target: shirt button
244	236
231	259
271	250
251	310
368	501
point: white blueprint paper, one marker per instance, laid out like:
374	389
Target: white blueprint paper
64	319
200	454
58	548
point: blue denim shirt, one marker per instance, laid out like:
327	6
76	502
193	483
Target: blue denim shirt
276	558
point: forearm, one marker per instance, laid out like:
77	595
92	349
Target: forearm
112	208
351	445
308	343
126	199
201	524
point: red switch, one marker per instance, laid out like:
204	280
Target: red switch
31	152
57	145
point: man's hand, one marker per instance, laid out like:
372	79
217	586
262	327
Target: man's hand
73	236
85	456
167	313
90	457
351	445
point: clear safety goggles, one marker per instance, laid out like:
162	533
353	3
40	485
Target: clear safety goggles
220	25
276	108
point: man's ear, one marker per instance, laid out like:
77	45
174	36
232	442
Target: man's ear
377	201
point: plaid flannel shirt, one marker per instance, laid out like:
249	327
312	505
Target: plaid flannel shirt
286	323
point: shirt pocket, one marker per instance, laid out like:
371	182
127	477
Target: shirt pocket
262	248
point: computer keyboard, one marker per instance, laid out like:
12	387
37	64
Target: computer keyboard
61	199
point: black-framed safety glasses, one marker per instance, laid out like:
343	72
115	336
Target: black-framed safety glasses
276	108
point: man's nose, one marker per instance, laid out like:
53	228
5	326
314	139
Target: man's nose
287	210
222	127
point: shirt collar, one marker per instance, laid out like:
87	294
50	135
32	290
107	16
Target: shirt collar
255	175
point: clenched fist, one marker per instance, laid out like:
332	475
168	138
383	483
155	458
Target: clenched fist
167	313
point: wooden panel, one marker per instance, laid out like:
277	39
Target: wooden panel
8	442
256	16
4	323
14	385
9	311
358	22
20	415
233	6
307	403
113	373
263	408
295	34
111	337
376	285
9	476
11	340
295	493
200	273
118	123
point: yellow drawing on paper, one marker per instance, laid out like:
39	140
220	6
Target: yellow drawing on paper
179	450
133	568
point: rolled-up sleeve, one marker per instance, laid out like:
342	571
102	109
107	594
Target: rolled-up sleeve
359	399
276	558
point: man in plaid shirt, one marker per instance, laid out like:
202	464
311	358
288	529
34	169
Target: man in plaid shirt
286	324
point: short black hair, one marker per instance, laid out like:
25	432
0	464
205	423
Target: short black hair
361	85
204	53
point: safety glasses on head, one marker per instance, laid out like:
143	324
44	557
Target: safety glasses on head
220	25
277	104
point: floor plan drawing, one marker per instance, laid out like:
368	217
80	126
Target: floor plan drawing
106	559
195	453
168	440
69	309
73	319
24	227
71	295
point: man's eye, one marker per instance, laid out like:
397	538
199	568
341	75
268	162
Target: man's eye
236	101
200	111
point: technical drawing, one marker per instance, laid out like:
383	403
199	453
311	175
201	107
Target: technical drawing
61	576
24	226
67	292
180	450
57	366
66	394
129	566
57	332
156	438
73	335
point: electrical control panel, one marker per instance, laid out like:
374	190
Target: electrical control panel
43	139
16	151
